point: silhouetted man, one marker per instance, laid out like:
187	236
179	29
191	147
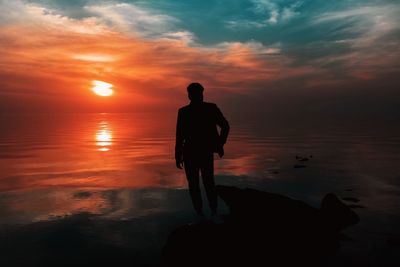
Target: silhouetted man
197	138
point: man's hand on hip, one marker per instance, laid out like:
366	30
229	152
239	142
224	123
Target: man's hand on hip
179	164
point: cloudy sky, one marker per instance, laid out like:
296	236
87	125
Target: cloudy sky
268	56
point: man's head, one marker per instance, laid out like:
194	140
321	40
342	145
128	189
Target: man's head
195	92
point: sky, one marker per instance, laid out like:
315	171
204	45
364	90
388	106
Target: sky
267	57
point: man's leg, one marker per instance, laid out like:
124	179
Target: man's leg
192	176
207	174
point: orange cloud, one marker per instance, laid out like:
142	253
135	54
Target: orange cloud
54	59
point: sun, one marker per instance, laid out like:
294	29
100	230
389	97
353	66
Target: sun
102	88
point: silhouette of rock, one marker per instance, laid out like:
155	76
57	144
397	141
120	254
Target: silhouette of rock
394	241
335	214
351	199
262	227
298	166
301	158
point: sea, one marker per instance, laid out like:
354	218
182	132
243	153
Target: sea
111	178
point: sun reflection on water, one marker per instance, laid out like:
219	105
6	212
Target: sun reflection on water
103	137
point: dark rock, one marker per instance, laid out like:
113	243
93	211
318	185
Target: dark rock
262	227
301	158
394	241
351	199
345	237
335	214
298	166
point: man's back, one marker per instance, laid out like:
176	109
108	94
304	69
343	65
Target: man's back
197	127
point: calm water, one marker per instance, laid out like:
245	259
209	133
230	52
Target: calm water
120	167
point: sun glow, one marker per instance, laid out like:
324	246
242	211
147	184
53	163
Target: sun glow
102	88
94	58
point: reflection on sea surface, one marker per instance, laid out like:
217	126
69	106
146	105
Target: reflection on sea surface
121	167
47	161
51	159
104	137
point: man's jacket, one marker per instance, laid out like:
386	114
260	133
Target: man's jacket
196	129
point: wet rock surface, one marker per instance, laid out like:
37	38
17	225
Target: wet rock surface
262	227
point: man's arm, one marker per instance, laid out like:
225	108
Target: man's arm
223	124
179	139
